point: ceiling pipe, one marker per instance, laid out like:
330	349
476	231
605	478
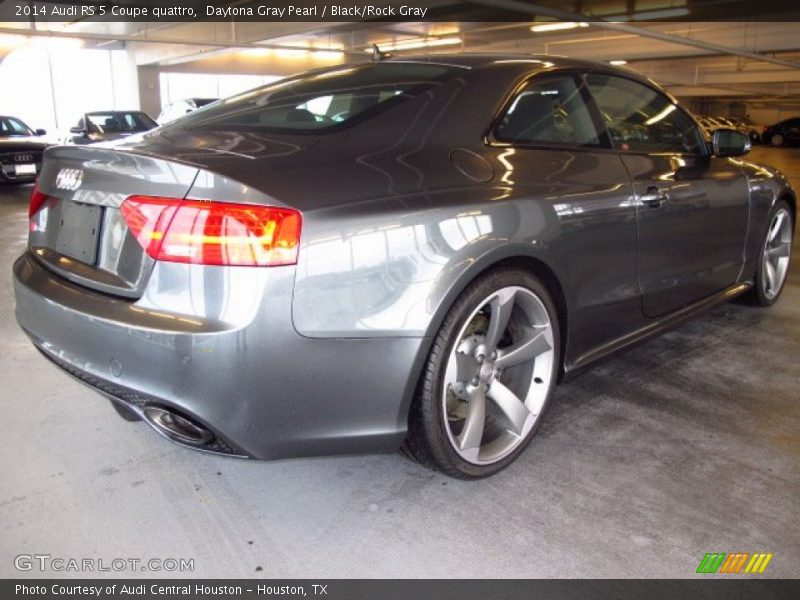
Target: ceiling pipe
106	37
524	7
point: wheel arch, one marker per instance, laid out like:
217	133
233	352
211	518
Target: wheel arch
536	265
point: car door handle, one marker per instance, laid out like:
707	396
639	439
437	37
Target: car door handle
654	197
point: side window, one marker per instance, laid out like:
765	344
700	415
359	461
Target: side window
641	119
550	111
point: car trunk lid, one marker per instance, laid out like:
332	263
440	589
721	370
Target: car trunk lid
79	231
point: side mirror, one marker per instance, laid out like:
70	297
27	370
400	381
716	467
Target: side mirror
41	132
730	142
77	130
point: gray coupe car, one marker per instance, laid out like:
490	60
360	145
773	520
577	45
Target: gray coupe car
405	253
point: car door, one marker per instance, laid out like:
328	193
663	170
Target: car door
554	155
692	208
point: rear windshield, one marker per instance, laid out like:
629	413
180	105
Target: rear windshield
119	122
321	100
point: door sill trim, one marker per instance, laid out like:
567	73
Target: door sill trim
654	327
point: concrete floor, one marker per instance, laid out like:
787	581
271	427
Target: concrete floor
686	445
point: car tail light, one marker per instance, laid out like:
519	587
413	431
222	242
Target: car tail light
213	233
37	199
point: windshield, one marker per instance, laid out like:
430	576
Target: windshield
119	122
321	100
13	127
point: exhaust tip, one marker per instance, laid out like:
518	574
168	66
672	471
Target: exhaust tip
177	427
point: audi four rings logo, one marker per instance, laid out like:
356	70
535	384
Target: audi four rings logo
69	179
23	157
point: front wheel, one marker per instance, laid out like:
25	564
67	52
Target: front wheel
777	139
776	251
489	377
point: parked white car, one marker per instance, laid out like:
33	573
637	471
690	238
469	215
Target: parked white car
181	107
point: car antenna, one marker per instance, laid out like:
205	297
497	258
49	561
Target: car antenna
378	54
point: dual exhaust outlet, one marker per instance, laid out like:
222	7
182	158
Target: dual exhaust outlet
176	427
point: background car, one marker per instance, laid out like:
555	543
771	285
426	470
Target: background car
107	125
783	133
21	150
179	108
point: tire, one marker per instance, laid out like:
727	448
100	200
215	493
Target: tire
524	362
777	140
770	276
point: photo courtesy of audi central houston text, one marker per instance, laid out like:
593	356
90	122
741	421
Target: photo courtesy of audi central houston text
506	258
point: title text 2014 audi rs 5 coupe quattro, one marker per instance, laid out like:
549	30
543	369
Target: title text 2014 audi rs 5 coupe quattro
406	253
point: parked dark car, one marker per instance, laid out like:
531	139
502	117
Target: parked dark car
785	133
107	125
21	150
402	253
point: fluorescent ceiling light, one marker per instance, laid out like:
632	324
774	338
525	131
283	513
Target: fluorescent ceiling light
328	52
254	52
557	25
56	43
655	119
414	44
291	52
652	15
53	43
323	52
12	40
618	62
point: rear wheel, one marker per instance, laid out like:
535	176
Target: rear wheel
489	377
776	251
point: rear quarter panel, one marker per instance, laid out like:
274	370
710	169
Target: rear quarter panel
393	266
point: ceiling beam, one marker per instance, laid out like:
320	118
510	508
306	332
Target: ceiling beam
105	37
525	7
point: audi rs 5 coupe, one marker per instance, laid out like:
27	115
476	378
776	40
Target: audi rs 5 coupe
398	254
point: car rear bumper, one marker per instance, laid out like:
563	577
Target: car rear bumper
250	379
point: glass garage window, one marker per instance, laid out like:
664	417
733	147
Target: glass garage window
321	100
641	119
549	111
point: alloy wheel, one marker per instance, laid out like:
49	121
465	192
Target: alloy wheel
777	250
498	375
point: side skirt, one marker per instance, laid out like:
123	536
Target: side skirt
652	329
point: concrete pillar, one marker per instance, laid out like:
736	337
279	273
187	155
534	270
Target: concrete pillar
149	90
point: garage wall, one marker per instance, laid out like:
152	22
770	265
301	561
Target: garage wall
177	86
768	116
